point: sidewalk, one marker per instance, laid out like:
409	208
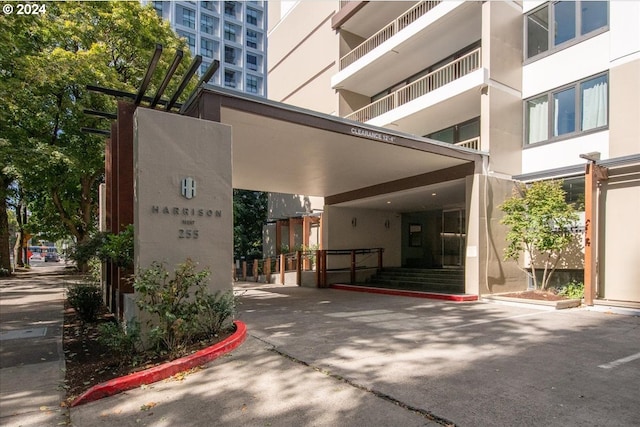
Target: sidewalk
31	356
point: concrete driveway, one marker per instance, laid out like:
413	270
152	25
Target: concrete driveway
327	357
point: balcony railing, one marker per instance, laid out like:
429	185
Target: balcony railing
387	32
473	143
432	81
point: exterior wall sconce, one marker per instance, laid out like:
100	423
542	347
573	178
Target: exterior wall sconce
354	222
387	224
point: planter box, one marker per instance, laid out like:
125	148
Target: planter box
534	303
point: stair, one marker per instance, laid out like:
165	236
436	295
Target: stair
445	280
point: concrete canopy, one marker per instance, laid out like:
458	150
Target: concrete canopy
281	148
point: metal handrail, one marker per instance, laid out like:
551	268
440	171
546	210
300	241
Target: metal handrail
432	81
387	32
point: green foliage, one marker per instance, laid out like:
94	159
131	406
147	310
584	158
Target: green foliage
182	310
573	290
83	252
123	340
214	312
540	224
86	299
4	272
249	215
46	62
118	248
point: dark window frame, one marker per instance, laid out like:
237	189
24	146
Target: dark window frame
249	87
578	131
456	130
551	46
190	20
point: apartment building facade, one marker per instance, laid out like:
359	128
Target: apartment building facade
534	84
232	32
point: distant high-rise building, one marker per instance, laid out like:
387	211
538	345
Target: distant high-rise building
233	32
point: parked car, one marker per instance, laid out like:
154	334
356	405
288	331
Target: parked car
51	257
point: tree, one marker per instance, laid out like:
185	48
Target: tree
249	215
49	61
541	223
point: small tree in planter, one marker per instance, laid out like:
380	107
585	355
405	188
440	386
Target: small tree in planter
540	222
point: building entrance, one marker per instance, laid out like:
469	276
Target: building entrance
433	239
453	237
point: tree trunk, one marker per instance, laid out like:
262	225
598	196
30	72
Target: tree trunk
5	250
21	216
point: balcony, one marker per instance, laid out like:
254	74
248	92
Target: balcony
423	86
387	32
473	143
405	43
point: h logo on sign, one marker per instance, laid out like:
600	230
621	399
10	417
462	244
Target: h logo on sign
188	188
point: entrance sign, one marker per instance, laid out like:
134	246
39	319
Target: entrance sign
183	194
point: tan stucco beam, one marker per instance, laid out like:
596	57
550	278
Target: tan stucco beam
347	10
429	178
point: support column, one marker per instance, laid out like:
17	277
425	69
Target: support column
593	174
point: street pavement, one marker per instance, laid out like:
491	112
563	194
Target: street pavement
31	356
324	357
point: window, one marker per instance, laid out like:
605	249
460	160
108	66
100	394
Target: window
191	39
253	16
203	68
574	191
229	55
564	13
229	32
537	112
252	62
555	24
189	18
595	14
157	5
593	103
252	84
206	47
209	5
538	32
252	39
564	107
229	78
579	107
458	133
230	8
206	24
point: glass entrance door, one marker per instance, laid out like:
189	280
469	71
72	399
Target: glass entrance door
453	237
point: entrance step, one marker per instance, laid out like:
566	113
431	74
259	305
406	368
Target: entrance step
415	279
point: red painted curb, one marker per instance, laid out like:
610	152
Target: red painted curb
415	294
157	373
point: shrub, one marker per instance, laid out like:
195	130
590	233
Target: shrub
4	272
123	340
214	311
86	299
573	290
182	309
